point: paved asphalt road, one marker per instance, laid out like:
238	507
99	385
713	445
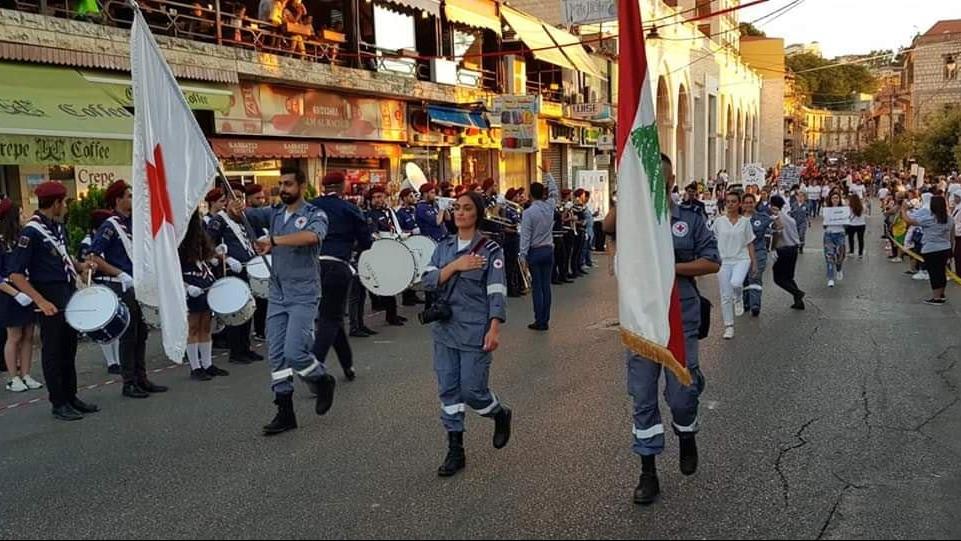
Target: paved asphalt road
842	421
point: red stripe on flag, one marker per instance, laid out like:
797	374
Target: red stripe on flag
159	195
632	68
676	344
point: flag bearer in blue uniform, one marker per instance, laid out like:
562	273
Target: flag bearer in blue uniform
467	273
112	251
297	230
231	233
41	254
695	254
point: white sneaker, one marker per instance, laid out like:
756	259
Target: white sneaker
728	333
920	275
16	385
896	260
830	283
739	306
840	275
31	383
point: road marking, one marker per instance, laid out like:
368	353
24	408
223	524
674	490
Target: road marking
711	404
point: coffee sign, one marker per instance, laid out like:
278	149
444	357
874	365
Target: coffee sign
43	150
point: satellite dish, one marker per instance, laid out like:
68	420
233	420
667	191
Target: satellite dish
415	176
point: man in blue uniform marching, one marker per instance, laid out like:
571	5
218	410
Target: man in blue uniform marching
44	271
296	232
383	221
112	251
695	254
407	216
754	283
228	230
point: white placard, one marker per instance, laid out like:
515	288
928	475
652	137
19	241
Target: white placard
837	215
577	12
598	183
920	174
710	207
753	173
914	169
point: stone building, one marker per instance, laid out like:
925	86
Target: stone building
931	73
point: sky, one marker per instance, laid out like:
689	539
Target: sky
851	26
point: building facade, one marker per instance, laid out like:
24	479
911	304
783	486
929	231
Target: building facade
766	56
931	73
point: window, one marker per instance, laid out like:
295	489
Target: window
393	31
950	68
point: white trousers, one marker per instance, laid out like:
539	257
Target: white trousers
731	279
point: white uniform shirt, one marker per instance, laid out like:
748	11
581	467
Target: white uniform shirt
733	239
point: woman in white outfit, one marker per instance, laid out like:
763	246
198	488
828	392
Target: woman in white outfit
735	242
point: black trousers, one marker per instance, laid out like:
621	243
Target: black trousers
856	232
784	269
937	267
512	248
561	258
577	246
335	283
260	318
357	299
133	343
387	304
58	345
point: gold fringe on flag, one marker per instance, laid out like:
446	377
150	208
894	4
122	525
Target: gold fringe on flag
656	353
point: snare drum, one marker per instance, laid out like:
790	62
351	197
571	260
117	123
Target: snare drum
388	268
423	249
151	315
230	299
259	276
97	312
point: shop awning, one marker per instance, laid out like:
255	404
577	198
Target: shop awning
200	96
574	50
264	149
570	123
474	13
460	118
531	32
430	6
58	102
361	150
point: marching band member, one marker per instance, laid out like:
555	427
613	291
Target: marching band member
112	251
296	232
382	220
196	253
512	246
430	220
347	229
216	201
41	254
761	224
562	241
16	310
489	189
407	216
468	271
537	246
235	237
255	200
111	352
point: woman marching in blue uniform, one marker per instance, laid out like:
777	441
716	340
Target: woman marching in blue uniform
16	310
467	276
195	255
761	224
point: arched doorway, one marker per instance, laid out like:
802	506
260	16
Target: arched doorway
665	121
729	154
682	141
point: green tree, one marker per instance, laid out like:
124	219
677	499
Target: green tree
830	84
78	217
748	29
939	146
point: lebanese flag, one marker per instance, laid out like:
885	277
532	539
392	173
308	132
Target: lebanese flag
650	305
173	167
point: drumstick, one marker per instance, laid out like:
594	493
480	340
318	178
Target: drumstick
89	276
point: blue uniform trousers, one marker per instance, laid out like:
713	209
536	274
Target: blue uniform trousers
540	261
754	285
290	339
462	382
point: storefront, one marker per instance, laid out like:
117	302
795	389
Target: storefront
430	146
364	164
480	154
260	160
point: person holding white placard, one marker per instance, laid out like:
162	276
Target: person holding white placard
834	241
735	242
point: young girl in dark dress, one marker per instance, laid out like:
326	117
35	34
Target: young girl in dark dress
16	308
195	255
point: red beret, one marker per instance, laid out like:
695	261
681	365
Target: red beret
460	189
114	192
51	189
578	192
444	185
375	190
511	193
334	177
5	205
565	192
98	216
214	195
253	189
488	183
405	192
427	187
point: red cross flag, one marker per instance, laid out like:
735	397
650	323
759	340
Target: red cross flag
648	298
173	167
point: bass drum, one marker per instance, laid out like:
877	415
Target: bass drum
97	312
230	299
387	268
259	276
423	249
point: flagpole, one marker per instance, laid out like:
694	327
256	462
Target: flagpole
222	177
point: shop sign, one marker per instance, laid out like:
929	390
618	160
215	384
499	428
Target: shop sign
483	139
591	111
519	123
366	176
51	150
551	109
578	12
591	135
362	150
259	148
261	109
603	160
605	142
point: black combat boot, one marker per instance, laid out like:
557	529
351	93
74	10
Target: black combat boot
325	393
688	460
456	460
648	488
502	427
285	419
